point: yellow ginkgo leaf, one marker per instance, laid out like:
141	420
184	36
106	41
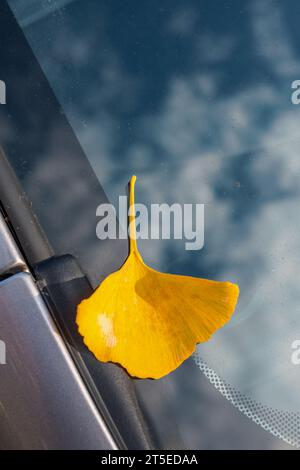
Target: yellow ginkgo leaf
150	322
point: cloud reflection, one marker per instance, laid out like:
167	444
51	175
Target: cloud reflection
200	110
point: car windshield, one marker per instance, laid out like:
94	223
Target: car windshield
198	99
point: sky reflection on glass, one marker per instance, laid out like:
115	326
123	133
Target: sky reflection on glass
194	98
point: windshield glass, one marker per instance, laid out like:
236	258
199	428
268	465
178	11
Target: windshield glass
198	99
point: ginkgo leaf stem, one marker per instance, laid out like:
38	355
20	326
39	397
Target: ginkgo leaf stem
131	217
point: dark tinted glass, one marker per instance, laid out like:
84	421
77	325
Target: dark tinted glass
195	98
